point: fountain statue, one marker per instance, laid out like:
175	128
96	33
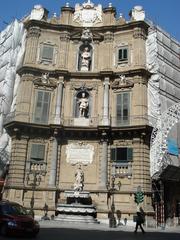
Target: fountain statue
78	206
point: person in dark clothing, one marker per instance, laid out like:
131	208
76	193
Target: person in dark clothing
139	222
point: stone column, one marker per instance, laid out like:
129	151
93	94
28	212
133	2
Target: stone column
104	162
54	157
32	44
106	102
59	97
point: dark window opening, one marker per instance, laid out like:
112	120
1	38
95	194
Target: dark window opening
121	154
122	54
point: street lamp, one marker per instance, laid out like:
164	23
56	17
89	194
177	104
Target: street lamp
36	180
111	191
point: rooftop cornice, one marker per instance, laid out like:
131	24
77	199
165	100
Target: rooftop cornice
66	27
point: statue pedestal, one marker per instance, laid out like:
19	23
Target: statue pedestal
84	69
81	121
78	208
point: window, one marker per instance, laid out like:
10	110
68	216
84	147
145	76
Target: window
37	152
123	108
41	113
121	155
122	55
47	53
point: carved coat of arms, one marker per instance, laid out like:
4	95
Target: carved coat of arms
87	14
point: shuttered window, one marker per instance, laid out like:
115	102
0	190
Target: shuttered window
123	108
121	154
37	152
47	53
122	55
41	113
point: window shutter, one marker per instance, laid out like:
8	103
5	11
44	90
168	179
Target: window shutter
42	107
125	54
45	107
37	152
113	154
119	106
47	52
120	55
123	108
129	154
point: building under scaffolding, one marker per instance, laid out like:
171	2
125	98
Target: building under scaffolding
86	90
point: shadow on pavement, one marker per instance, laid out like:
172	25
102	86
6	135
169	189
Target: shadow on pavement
78	234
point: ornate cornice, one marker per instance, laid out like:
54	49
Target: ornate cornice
34	32
108	37
139	33
64	36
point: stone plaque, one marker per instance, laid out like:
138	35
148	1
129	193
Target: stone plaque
79	153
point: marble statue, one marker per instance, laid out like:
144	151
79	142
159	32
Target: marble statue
79	179
85	59
83	105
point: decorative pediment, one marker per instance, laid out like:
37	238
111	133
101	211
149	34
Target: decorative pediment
44	81
82	87
86	34
121	82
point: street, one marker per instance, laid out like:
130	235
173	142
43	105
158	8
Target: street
79	232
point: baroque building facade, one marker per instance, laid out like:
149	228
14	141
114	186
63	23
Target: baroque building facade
82	100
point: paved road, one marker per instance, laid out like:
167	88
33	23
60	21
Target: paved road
54	231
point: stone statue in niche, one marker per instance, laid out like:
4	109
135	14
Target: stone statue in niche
79	179
86	35
85	59
83	105
45	78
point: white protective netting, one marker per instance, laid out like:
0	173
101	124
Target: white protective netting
12	47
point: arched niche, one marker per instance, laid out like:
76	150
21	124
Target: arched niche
85	57
82	104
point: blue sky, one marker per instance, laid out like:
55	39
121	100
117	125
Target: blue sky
165	13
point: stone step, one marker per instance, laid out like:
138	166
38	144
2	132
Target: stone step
75	218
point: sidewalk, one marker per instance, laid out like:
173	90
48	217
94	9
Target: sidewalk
101	226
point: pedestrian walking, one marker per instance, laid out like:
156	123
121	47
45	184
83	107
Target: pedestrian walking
140	220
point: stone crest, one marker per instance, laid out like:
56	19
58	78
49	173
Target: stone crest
121	82
87	14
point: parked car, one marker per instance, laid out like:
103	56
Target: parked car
16	220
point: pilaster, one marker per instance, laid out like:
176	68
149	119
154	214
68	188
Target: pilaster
106	101
64	49
32	45
59	97
54	156
104	162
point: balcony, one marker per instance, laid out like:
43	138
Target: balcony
122	169
36	166
80	122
